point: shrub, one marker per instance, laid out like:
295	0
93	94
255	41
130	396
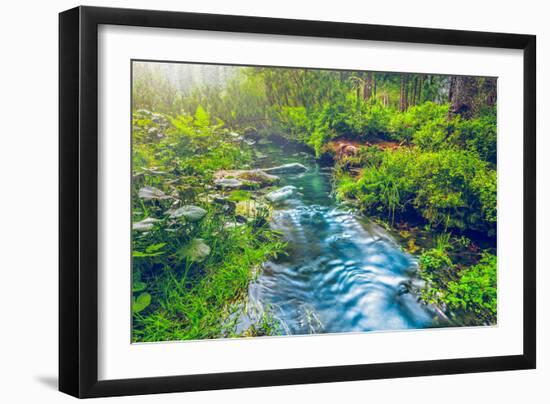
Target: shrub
476	289
372	120
448	188
295	123
404	125
479	135
434	260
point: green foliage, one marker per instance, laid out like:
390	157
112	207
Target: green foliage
322	124
295	122
435	267
447	188
202	119
478	135
138	286
318	139
314	106
141	302
189	277
430	127
468	292
150	251
434	260
375	120
194	301
476	290
419	118
347	188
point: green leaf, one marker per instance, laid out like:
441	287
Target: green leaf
139	254
151	251
141	302
138	286
154	248
195	251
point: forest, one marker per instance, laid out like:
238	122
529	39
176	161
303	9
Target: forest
279	201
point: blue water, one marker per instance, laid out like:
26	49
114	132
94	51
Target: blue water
340	272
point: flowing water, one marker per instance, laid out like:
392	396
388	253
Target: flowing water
341	272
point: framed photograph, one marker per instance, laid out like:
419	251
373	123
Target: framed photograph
250	201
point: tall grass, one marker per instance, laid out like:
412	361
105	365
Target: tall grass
203	306
191	277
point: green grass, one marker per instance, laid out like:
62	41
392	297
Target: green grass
201	306
191	277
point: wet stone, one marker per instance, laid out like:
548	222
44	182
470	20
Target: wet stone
189	212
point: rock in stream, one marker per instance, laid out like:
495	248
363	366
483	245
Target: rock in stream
290	168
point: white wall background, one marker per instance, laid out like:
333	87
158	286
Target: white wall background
28	199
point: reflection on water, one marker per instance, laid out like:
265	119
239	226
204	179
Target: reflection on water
341	273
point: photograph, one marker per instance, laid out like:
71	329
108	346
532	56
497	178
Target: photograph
283	201
245	202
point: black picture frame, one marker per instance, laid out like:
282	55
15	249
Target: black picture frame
78	201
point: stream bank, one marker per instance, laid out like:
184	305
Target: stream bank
340	271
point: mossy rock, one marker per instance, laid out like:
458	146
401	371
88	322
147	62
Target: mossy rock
189	212
152	193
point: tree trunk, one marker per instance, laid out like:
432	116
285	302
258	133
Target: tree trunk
404	92
415	90
452	88
401	93
490	90
367	88
462	94
420	87
407	92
